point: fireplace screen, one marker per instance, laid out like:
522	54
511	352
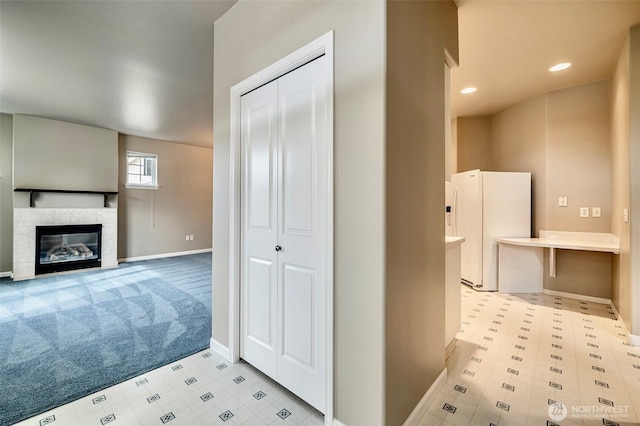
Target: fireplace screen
63	248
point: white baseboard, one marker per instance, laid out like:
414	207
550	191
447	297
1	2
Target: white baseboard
634	339
423	405
163	255
220	349
7	274
578	296
337	423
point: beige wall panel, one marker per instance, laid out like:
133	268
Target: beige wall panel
245	43
152	222
474	143
50	154
415	170
620	184
454	147
578	157
518	144
580	272
634	144
6	193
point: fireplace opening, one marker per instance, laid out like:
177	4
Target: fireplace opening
68	247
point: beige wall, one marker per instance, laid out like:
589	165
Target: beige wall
50	154
57	155
248	38
384	358
415	170
453	148
6	193
152	222
578	166
563	138
620	184
578	157
634	145
519	145
473	143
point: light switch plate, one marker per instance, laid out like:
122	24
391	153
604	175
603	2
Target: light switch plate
584	211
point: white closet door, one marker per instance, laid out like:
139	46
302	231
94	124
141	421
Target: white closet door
284	201
302	201
259	274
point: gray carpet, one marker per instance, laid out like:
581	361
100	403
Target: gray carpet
64	337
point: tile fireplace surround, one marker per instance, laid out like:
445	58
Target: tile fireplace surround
25	221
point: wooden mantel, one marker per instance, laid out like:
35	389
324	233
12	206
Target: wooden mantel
31	191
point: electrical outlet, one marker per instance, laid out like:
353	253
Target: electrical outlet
596	212
186	237
584	211
562	201
190	237
625	215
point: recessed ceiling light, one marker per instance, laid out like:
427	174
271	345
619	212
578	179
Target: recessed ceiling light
560	67
468	90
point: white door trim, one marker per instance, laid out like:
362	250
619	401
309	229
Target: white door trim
320	46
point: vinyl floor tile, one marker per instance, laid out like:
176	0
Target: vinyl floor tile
517	355
194	391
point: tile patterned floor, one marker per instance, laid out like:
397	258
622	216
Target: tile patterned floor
535	359
202	389
518	358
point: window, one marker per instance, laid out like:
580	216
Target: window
142	170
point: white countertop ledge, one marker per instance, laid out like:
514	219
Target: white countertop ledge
450	241
589	241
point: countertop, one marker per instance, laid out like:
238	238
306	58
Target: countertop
450	241
590	241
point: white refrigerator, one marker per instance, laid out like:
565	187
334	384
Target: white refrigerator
486	205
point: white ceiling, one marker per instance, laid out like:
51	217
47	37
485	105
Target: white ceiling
506	48
139	67
146	67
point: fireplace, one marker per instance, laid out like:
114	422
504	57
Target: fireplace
68	247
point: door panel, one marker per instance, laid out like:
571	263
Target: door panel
260	306
284	200
259	271
260	171
298	313
303	152
299	186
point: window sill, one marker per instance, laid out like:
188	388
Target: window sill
134	186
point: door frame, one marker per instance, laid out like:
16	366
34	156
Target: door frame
323	45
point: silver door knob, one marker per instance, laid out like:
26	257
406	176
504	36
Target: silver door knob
278	248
